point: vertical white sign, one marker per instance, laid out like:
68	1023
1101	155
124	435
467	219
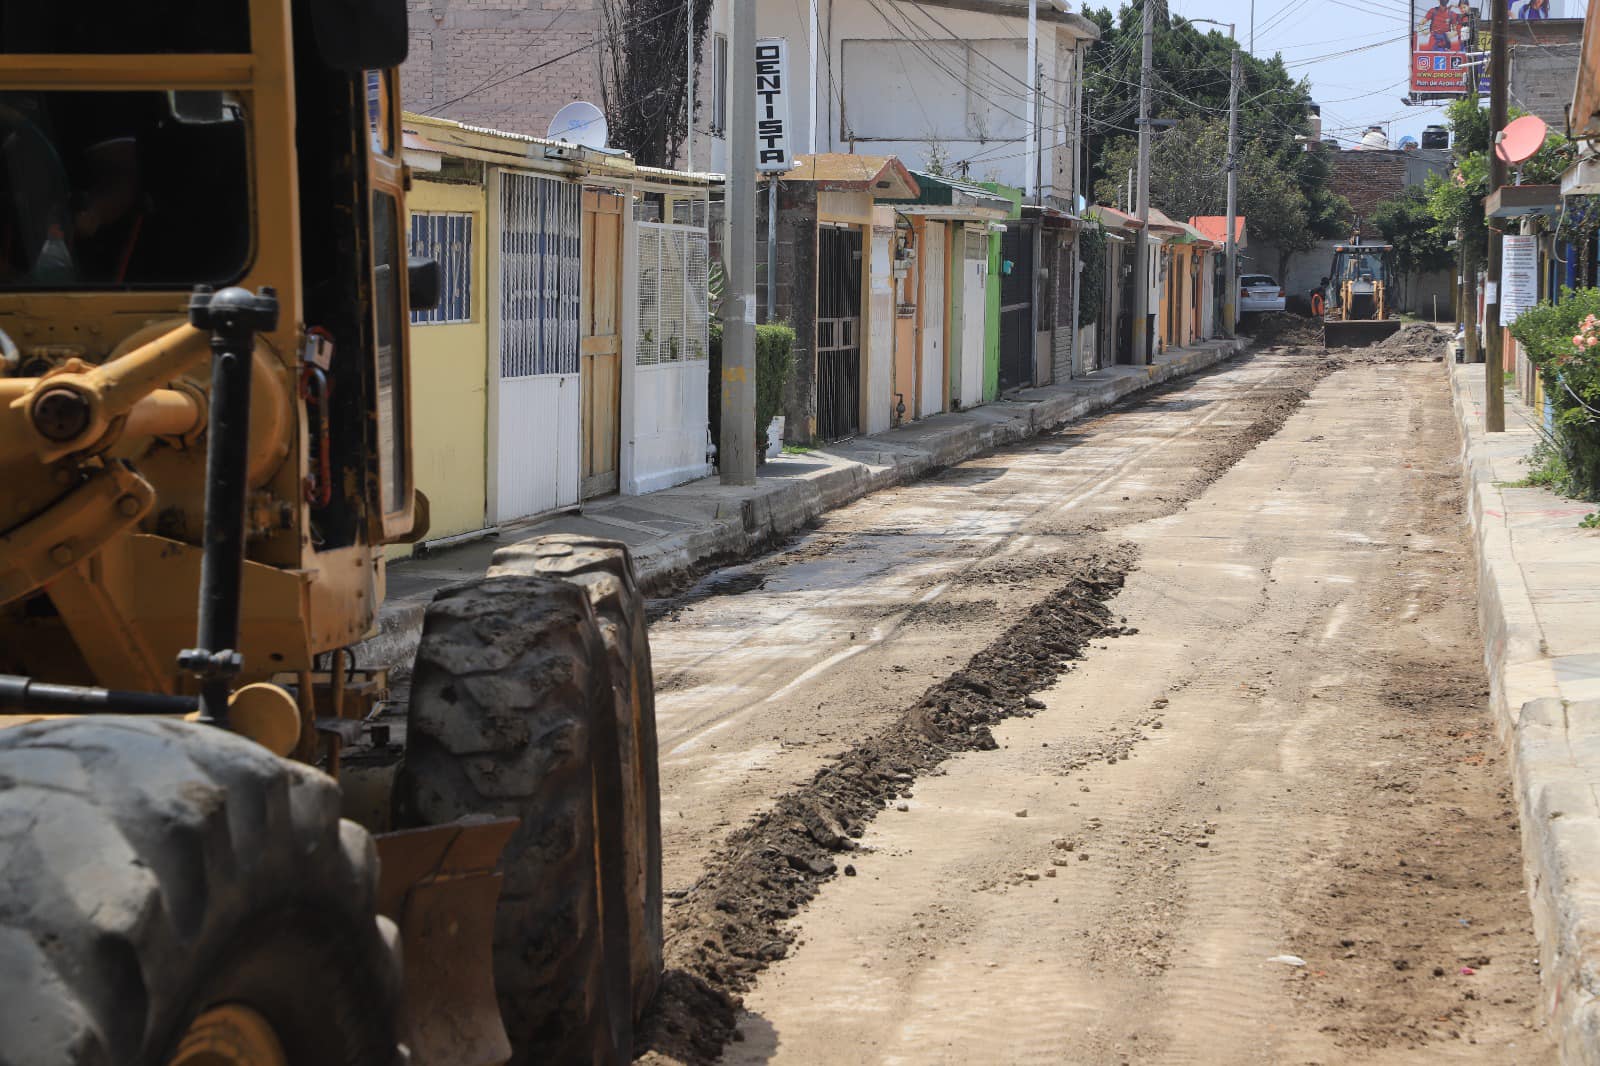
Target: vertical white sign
772	105
1519	276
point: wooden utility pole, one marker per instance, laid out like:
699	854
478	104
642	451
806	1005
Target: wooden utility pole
1494	395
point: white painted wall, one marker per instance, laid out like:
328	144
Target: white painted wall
915	80
880	324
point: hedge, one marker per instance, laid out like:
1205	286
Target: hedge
1571	379
774	369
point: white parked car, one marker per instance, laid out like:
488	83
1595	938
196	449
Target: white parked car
1259	292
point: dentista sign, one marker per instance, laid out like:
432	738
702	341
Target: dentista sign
772	105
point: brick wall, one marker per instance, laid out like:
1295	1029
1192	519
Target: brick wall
797	297
1367	178
465	55
1542	77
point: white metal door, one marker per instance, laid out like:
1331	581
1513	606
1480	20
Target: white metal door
930	399
670	357
538	411
974	308
880	332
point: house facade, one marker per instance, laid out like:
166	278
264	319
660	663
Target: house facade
567	358
943	87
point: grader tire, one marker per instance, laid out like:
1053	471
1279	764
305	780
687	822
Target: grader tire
155	871
604	569
510	715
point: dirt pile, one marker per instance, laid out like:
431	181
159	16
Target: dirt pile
1415	342
731	924
1281	328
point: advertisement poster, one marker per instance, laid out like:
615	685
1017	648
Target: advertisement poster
1519	276
1442	43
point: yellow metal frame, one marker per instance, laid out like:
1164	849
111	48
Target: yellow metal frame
329	598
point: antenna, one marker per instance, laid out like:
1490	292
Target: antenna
1517	143
580	123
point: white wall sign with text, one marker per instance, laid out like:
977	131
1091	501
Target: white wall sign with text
772	105
1519	276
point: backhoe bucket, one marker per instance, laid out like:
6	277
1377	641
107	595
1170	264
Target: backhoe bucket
1357	334
440	886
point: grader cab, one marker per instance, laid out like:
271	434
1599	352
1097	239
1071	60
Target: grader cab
222	842
1358	297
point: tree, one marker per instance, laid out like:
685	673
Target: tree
1284	191
1188	177
1420	245
645	85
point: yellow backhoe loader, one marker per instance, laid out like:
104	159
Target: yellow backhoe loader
1358	298
219	846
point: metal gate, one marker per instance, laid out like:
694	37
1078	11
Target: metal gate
974	309
930	389
1016	308
537	411
838	332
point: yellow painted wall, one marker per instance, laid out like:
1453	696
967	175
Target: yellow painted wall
449	374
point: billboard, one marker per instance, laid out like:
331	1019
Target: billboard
1443	40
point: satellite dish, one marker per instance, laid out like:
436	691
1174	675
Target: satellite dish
580	123
1523	137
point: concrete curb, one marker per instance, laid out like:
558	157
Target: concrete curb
780	506
1553	744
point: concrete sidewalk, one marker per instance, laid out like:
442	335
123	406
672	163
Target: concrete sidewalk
1539	607
673	531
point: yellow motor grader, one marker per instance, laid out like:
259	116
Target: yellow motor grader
220	842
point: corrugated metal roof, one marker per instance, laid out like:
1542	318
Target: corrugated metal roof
1110	216
938	190
1159	222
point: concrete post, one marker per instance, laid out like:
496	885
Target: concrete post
737	454
1230	298
1141	252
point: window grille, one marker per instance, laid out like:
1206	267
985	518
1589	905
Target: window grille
673	302
540	263
446	238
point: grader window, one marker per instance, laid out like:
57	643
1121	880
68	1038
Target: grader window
121	27
122	190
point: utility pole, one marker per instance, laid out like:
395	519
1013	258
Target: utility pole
1494	399
736	451
1141	258
688	89
1033	100
1230	301
1075	117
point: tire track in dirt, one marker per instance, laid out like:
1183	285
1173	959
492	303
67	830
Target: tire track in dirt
731	924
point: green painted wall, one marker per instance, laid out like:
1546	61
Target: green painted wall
991	331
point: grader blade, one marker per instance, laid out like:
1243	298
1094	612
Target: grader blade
1357	334
440	886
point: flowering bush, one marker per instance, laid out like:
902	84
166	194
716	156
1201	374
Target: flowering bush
1563	340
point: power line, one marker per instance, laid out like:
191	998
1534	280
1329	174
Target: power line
594	41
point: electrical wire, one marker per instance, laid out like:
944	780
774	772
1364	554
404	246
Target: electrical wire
595	41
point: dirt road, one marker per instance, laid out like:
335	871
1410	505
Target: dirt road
1159	740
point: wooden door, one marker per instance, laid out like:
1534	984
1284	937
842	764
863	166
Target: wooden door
600	344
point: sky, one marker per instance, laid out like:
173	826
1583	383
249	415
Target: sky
1363	87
